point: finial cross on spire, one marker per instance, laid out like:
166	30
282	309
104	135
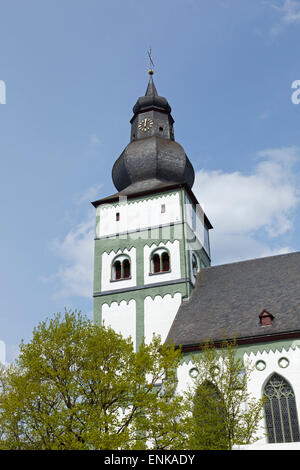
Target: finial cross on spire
151	64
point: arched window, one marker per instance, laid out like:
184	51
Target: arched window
160	261
117	270
126	268
165	260
121	268
281	412
156	263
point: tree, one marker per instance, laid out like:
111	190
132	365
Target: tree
76	385
223	413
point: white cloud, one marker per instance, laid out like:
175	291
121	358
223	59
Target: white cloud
12	353
230	248
289	13
75	274
91	194
94	140
247	208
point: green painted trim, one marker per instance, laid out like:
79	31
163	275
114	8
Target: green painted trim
150	291
139	254
140	322
185	261
154	237
97	268
259	348
151	285
266	347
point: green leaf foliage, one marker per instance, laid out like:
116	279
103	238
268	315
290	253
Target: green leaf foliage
76	385
223	413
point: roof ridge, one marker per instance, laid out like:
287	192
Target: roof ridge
253	259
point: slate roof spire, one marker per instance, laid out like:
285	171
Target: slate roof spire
151	89
152	99
152	158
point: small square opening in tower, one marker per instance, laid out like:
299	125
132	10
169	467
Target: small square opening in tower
163	208
117	216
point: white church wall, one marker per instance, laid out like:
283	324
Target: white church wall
264	364
107	283
175	273
184	376
159	314
138	215
195	220
121	317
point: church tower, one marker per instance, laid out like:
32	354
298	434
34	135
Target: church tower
152	236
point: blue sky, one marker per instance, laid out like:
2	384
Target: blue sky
73	70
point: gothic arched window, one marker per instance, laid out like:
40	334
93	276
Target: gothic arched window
160	261
281	412
121	268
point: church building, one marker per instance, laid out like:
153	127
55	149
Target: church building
153	273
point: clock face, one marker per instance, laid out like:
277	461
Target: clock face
145	124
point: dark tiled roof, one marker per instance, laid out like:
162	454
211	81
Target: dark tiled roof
228	299
150	158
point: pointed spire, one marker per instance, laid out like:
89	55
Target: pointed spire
151	98
151	89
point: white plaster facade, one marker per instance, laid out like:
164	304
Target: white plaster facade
135	216
121	318
272	361
159	315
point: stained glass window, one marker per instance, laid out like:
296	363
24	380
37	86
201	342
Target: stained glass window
281	412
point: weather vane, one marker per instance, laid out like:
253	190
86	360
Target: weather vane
151	64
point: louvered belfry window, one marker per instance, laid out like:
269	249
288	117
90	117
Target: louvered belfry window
281	412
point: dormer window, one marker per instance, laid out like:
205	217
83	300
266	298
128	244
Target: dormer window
121	268
159	261
266	318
